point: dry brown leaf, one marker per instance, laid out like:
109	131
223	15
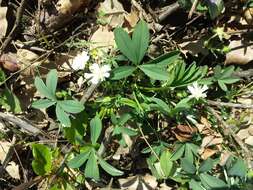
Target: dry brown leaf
241	53
113	11
9	62
4	148
207	153
224	157
138	182
248	15
243	134
102	38
70	6
249	140
3	21
132	18
13	170
184	132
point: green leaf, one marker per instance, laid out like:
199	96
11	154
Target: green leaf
195	185
188	166
43	103
161	103
51	81
154	71
215	8
166	163
79	160
227	72
124	118
95	129
42	88
71	106
125	45
212	182
140	40
91	169
62	116
206	166
229	80
42	163
122	72
222	85
166	59
11	102
178	153
238	168
109	168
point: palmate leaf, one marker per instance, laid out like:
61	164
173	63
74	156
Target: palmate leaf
166	163
91	169
109	168
188	166
62	116
43	89
212	182
140	40
125	45
134	49
51	81
122	72
95	129
79	160
43	103
154	71
71	106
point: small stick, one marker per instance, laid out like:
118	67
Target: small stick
193	8
21	123
170	9
227	104
229	131
13	32
88	93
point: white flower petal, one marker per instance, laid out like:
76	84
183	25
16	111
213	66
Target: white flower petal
98	73
197	91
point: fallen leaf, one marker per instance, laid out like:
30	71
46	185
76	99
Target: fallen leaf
132	18
224	157
13	170
184	132
241	52
9	62
113	13
243	134
103	38
146	182
3	21
207	153
249	141
4	148
70	6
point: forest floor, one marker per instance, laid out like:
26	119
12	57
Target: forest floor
126	94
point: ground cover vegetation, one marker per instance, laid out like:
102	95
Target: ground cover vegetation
127	94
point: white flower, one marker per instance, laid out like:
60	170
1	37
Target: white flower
79	61
197	91
98	73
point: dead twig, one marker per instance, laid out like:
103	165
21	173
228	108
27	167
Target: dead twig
25	125
88	93
29	128
228	104
193	8
169	10
228	131
13	32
